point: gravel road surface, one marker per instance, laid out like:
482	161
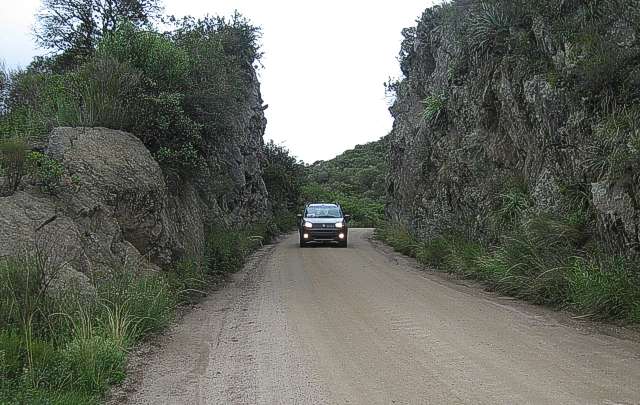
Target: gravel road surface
363	325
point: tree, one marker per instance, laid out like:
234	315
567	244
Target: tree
282	175
74	27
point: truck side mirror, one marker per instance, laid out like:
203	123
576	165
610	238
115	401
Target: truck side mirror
347	217
299	216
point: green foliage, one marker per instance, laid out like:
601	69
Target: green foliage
12	355
357	172
540	261
399	238
355	179
282	175
13	153
145	299
45	171
432	252
180	92
184	160
488	29
189	279
448	253
515	202
74	27
37	102
105	92
160	61
605	287
226	251
94	363
220	52
285	221
616	149
434	108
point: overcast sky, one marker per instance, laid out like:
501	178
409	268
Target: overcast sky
324	66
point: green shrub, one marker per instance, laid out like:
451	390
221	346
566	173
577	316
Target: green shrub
432	252
282	175
45	171
24	302
185	160
225	251
399	238
532	262
285	221
38	102
13	152
94	363
616	147
159	59
43	365
515	202
107	92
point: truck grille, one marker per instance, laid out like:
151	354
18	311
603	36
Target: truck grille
324	226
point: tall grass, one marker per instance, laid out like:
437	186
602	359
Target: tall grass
541	261
605	287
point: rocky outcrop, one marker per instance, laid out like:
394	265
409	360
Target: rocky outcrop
111	211
511	95
115	209
232	182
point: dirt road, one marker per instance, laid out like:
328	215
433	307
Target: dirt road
363	326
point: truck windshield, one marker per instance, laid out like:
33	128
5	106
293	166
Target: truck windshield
323	212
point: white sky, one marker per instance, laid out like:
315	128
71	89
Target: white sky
324	66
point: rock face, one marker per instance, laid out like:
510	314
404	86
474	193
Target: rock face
495	98
115	207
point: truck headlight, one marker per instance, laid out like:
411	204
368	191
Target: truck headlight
339	225
308	225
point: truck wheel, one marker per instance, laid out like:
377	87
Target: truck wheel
343	244
303	243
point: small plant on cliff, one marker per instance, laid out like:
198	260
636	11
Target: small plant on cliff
434	108
45	171
514	203
12	158
616	148
186	160
488	29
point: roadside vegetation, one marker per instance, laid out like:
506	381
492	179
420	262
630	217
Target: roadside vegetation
540	259
66	344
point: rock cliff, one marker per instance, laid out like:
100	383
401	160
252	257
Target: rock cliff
116	206
535	97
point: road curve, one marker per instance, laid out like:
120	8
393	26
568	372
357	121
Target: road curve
363	326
